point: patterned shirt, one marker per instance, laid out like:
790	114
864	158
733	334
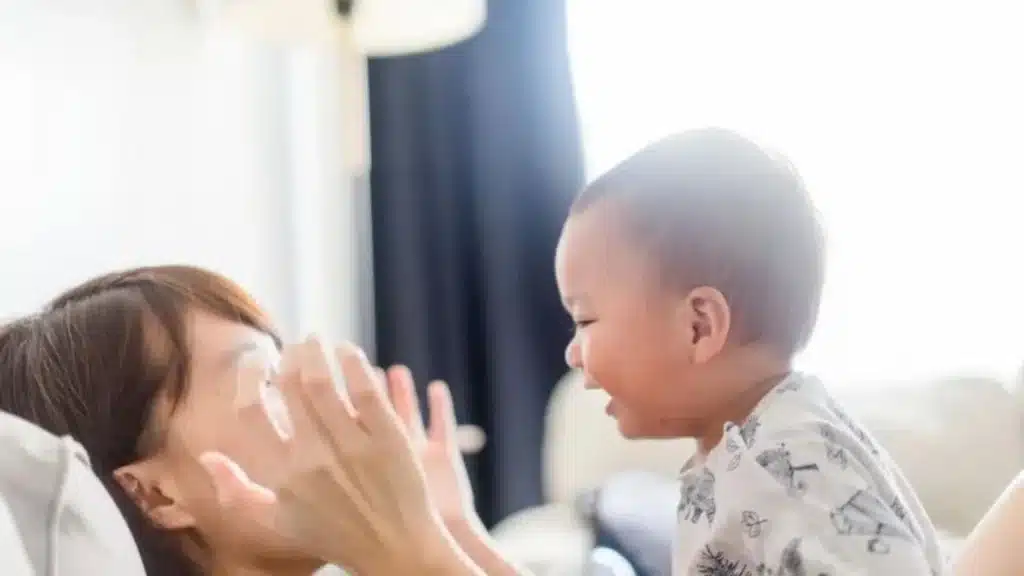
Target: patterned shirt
800	489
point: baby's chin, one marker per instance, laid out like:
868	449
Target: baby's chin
630	425
636	427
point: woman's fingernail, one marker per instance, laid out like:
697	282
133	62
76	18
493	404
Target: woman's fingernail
348	347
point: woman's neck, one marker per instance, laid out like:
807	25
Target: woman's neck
266	568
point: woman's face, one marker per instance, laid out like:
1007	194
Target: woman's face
228	359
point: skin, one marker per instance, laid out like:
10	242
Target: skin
171	485
662	354
993	547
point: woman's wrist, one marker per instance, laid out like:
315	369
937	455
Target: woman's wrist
444	555
465	527
434	552
475	541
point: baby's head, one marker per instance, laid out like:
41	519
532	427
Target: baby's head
693	271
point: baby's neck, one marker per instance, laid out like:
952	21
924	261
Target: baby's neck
738	413
753	380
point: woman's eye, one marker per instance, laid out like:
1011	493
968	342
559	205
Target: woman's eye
256	374
583	323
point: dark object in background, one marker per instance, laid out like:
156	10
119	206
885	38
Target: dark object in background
476	160
344	7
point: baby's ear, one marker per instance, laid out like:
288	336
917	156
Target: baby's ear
709	320
155	495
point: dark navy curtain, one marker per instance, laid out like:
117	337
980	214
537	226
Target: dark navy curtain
476	158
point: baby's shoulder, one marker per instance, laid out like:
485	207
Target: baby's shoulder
799	414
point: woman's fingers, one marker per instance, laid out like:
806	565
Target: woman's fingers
443	428
287	385
366	391
324	395
352	487
306	380
402	388
338	392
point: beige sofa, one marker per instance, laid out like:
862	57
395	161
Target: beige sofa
958	440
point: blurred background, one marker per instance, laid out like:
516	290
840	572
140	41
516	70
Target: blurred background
397	172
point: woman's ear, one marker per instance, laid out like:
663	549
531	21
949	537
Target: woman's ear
709	320
154	494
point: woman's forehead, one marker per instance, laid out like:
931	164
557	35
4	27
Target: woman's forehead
214	339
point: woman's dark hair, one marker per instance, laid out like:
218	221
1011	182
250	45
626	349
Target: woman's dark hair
94	363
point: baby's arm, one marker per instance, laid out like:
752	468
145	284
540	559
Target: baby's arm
996	546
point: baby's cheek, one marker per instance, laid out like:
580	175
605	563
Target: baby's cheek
598	360
587	355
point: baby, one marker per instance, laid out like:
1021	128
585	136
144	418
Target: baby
693	271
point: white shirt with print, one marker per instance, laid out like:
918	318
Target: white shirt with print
800	489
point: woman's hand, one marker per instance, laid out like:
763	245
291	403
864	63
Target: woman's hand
441	460
354	492
437	447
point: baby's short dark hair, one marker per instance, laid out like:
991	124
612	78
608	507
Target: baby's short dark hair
715	209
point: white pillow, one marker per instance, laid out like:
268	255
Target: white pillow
67	523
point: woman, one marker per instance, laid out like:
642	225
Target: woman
142	367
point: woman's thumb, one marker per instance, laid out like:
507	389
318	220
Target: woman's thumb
232	484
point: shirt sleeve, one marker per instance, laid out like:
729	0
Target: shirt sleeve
785	507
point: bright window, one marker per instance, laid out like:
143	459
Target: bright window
907	123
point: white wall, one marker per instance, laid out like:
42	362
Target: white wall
128	136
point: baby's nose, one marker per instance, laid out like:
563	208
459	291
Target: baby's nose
572	354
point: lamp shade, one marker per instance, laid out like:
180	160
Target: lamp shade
395	27
370	28
380	27
274	21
